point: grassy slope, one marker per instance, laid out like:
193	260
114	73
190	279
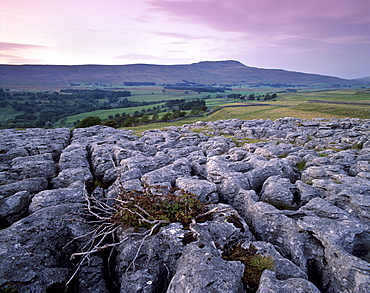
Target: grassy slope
103	114
300	109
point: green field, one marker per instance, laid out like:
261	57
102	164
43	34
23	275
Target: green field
299	108
300	105
298	102
7	113
104	114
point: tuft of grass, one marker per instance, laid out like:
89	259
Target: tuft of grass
301	165
238	142
333	149
254	140
9	289
254	263
357	146
261	262
200	130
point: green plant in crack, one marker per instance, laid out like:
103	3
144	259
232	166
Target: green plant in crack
254	263
238	142
261	262
9	289
142	208
145	210
357	146
301	165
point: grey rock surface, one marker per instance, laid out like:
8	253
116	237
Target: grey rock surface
270	284
302	189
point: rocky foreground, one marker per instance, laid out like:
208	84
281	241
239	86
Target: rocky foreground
298	190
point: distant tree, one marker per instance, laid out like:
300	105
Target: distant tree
166	117
144	119
89	121
63	121
111	123
177	114
155	117
130	121
251	97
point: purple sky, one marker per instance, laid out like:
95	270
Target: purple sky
330	37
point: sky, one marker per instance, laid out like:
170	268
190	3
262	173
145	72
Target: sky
329	37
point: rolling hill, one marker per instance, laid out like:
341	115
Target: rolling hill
207	72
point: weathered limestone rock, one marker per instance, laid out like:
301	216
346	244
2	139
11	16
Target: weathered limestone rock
265	169
71	175
54	197
316	172
34	250
201	269
168	174
323	172
32	185
307	192
344	262
271	225
146	164
270	151
147	265
205	190
34	166
74	156
217	145
284	269
280	193
270	284
14	207
225	227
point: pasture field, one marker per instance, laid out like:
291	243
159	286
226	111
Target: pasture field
333	96
7	113
104	114
299	108
299	102
158	95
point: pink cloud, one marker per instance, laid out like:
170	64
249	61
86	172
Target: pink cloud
24	61
184	36
15	46
6	56
135	56
319	19
12	53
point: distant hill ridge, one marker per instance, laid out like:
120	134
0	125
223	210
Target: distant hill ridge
206	72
